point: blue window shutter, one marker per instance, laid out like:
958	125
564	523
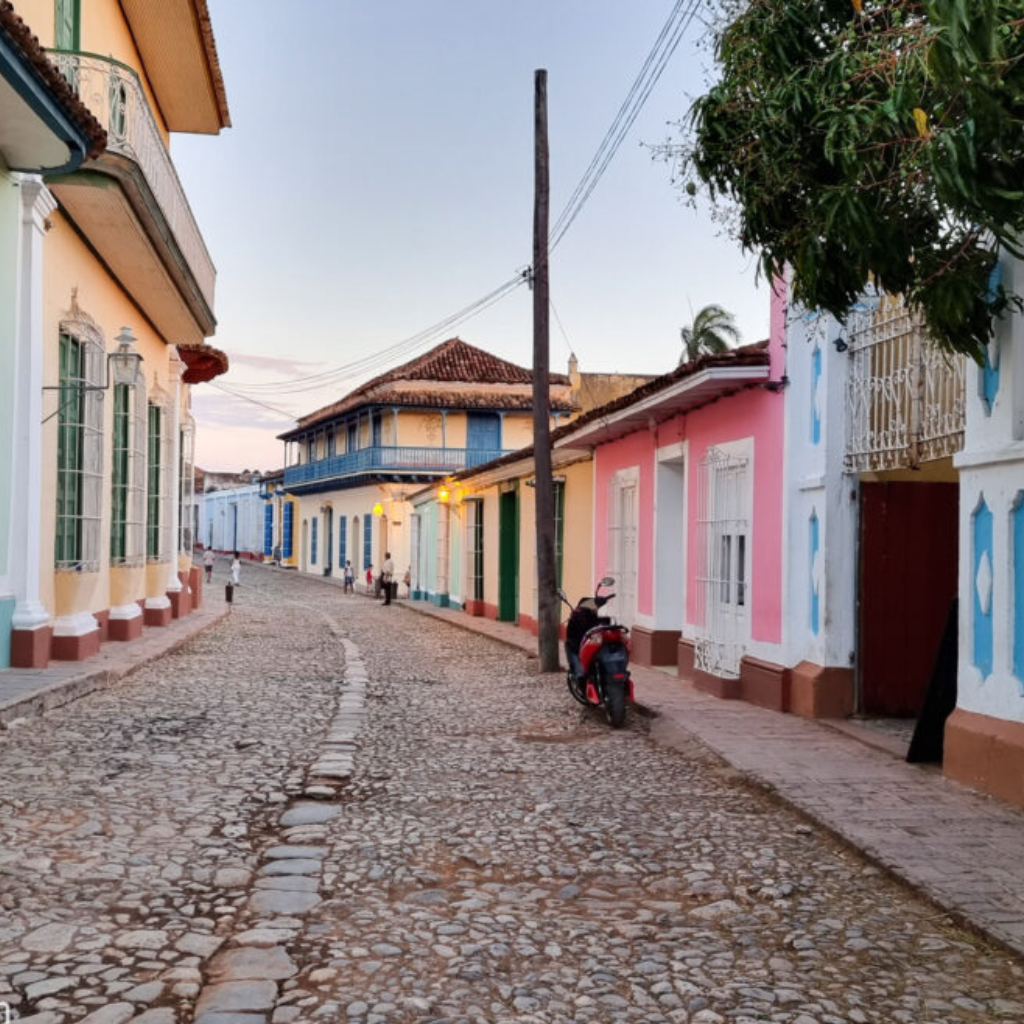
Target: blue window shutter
342	541
289	526
268	530
312	545
368	541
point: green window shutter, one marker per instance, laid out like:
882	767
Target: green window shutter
153	484
559	526
68	24
70	445
119	479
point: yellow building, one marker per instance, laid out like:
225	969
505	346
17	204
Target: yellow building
351	466
121	308
478	536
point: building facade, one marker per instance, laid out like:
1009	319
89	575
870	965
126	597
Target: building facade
351	467
119	306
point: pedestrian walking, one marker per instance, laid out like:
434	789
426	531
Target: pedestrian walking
350	580
369	579
407	580
236	569
387	572
208	564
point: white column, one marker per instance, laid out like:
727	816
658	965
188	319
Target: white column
37	203
174	419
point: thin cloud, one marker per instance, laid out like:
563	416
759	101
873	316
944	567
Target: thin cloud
278	365
227	411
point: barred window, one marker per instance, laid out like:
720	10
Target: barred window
127	523
186	486
158	480
79	448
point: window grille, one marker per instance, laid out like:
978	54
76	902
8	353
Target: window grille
312	541
268	528
441	564
288	524
622	547
723	571
186	486
342	541
158	480
417	532
368	541
82	363
128	478
475	549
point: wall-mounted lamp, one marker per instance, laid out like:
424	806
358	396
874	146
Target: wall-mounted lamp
123	367
378	509
443	495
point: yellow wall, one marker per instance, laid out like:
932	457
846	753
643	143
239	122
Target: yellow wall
68	264
577	534
517	431
104	31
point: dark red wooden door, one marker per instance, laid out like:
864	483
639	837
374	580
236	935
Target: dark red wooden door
908	577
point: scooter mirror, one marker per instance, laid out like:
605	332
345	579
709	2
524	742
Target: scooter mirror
606	581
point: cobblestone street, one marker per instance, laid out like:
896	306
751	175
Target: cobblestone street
322	809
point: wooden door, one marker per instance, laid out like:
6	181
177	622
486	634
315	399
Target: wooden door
508	557
908	579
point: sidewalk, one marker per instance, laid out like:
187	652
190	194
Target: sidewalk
958	849
25	693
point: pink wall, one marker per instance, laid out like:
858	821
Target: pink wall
757	413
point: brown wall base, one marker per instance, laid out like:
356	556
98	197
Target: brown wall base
528	622
102	619
986	753
125	629
654	646
30	648
75	648
726	689
181	604
156	616
195	582
474	608
684	659
817	692
765	684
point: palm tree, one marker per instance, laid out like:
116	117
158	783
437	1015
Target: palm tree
713	330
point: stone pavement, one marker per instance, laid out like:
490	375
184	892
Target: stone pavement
958	848
34	691
321	809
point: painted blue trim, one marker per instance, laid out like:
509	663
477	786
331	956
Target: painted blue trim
25	81
815	538
989	383
368	540
1018	589
981	529
312	541
268	530
815	384
289	530
7	606
342	541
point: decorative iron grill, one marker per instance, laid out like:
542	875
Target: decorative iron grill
723	569
904	397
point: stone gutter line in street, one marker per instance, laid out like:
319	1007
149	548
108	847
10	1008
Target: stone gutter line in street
956	848
29	693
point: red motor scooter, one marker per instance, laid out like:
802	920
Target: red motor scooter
598	654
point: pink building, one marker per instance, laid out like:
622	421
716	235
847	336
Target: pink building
688	517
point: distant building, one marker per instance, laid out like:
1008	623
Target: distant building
352	465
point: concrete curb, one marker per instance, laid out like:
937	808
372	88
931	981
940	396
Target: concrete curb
52	695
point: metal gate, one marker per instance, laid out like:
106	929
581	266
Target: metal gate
723	571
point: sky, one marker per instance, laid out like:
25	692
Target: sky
379	176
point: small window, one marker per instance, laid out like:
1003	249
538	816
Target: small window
153	482
68	24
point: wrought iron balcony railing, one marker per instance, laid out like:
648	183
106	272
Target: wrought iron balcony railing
114	94
905	398
402	460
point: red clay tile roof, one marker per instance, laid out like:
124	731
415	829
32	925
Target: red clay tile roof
747	355
210	45
29	46
452	362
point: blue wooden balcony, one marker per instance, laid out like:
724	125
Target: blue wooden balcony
399	461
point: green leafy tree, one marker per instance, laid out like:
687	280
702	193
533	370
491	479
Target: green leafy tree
873	141
713	330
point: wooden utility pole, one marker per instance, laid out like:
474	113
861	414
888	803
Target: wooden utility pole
547	579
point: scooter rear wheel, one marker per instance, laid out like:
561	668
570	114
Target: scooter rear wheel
615	703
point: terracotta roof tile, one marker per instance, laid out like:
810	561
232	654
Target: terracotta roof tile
452	362
22	38
748	355
203	362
